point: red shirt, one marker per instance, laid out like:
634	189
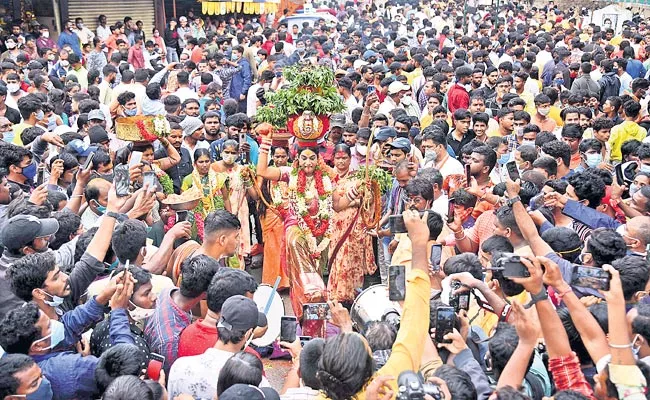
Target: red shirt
268	45
197	338
457	97
136	58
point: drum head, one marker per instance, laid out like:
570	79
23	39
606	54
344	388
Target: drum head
371	305
276	311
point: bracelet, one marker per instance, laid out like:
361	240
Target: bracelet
505	313
77	195
621	346
264	151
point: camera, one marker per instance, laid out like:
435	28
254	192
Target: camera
511	266
411	385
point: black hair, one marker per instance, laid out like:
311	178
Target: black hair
69	224
458	382
128	387
309	359
18	329
463	198
342	377
640	324
10	365
633	271
196	274
588	186
230	336
30	272
506	217
140	275
502	345
219	221
572	131
466	262
489	156
558	149
564	241
605	246
128	240
243	368
119	360
496	243
228	282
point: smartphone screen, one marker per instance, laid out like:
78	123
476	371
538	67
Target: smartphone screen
288	329
450	212
304	339
136	158
181	216
396	282
460	301
89	161
590	277
513	172
445	318
316	311
468	174
40	177
371	89
122	180
149	178
436	255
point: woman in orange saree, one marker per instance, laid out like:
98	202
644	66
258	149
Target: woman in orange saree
350	253
273	225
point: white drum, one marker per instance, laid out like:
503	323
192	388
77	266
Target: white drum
373	305
276	311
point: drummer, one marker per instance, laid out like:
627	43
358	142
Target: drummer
202	334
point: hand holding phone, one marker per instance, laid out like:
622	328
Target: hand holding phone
288	329
513	171
89	161
445	319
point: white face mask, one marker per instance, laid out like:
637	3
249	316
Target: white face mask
45	34
56	300
543	111
361	149
13	87
139	313
229	158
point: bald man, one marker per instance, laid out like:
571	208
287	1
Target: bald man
636	234
96	194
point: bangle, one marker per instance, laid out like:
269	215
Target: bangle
264	151
77	195
621	346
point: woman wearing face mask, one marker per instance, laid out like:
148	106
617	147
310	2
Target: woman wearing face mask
141	307
272	224
240	186
350	252
160	42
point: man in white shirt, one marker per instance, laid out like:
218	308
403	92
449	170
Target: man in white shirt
434	147
85	35
103	31
184	92
252	102
345	90
198	375
395	92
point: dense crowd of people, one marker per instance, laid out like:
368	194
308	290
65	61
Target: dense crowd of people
515	145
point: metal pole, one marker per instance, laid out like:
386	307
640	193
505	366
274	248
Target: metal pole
174	6
57	16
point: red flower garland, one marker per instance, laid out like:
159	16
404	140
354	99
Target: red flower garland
144	132
320	229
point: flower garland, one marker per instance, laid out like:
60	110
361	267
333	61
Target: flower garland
318	226
144	132
207	202
198	225
164	179
161	126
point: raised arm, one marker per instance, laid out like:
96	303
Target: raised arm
172	159
263	168
525	222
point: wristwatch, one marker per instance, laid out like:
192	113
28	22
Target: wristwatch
513	200
118	217
534	298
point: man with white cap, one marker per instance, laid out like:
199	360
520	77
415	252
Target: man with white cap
393	99
198	375
193	138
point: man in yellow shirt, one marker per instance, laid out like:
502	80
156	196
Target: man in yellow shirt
31	109
627	130
407	351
